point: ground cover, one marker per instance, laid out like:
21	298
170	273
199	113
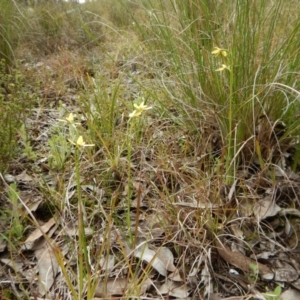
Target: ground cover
157	155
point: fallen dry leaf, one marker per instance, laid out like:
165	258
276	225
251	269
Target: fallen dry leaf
175	276
37	234
287	274
174	289
119	286
150	256
245	208
166	256
74	231
265	208
143	253
48	268
107	262
23	177
21	268
31	199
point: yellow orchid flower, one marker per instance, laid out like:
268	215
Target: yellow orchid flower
224	67
81	143
218	51
69	119
139	108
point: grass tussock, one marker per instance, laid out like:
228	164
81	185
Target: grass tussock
9	31
163	151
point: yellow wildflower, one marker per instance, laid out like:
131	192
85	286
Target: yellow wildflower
139	108
224	67
81	143
69	119
218	51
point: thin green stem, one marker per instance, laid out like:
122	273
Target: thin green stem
230	151
82	247
129	151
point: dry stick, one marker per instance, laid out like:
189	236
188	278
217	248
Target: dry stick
243	262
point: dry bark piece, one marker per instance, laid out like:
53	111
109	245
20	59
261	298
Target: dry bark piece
243	262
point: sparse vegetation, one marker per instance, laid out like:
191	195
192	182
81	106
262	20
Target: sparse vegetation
161	156
15	102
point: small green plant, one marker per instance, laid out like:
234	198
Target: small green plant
59	146
273	295
253	276
17	228
228	81
132	134
84	272
27	148
59	151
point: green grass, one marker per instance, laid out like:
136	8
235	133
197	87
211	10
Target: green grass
9	27
261	62
218	80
